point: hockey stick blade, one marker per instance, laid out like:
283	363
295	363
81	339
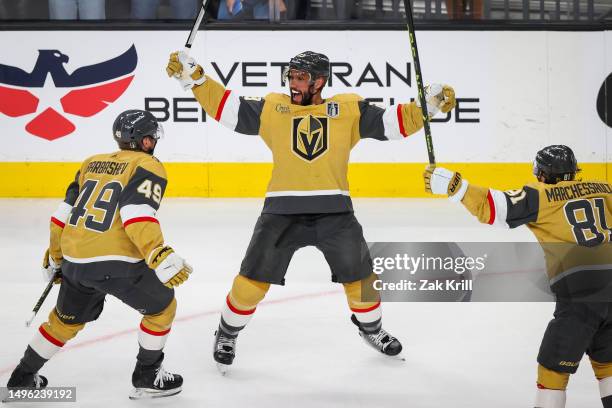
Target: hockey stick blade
30	320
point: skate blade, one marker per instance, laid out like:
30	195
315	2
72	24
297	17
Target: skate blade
4	396
398	357
223	368
149	393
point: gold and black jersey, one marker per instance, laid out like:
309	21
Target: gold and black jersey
569	211
109	212
572	220
310	144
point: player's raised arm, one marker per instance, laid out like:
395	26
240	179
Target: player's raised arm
53	258
507	209
240	114
399	121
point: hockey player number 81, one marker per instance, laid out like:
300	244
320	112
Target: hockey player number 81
580	214
107	202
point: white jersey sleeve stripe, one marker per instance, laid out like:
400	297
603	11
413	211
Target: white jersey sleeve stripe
131	211
499	208
229	111
391	124
62	212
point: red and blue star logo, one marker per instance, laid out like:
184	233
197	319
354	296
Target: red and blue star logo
49	92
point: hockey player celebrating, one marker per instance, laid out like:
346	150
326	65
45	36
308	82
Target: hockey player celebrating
572	220
105	239
307	202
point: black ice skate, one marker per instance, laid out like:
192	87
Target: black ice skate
154	382
381	341
224	350
20	378
23	379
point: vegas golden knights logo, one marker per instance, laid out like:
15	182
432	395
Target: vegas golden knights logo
310	137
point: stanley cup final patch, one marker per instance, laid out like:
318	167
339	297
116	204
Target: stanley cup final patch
333	109
310	136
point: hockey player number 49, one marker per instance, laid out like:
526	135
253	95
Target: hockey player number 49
106	203
581	215
150	190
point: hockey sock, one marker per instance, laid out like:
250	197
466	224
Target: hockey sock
368	313
551	388
240	304
148	357
32	362
605	390
50	338
153	334
603	372
234	319
546	398
370	319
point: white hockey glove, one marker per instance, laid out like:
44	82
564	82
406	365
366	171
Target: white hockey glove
171	269
184	68
439	180
439	98
50	267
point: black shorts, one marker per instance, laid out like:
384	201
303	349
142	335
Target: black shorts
84	287
577	328
277	237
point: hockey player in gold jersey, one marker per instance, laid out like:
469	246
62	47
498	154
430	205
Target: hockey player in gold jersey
106	239
307	201
572	220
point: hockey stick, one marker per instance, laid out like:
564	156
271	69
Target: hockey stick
196	26
42	298
419	79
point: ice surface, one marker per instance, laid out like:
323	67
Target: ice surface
300	350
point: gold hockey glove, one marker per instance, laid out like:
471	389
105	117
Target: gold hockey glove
184	68
439	98
448	99
50	267
171	269
439	180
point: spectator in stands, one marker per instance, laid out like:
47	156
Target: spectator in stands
77	9
13	10
458	9
147	9
247	9
297	9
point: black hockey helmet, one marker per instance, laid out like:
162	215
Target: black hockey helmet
555	163
131	126
317	65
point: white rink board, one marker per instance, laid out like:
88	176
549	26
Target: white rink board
533	89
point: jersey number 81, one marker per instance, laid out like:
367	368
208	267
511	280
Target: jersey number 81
582	216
